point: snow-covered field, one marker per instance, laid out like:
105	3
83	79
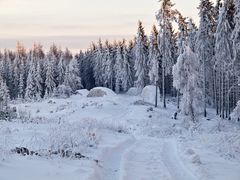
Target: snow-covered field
119	137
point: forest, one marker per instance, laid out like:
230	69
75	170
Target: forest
199	64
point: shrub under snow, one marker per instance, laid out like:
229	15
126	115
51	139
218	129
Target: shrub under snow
236	112
149	93
133	91
100	92
75	137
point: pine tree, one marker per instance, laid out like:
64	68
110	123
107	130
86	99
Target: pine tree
74	74
166	43
141	54
21	82
154	61
118	67
236	39
4	97
98	64
192	35
39	81
50	81
61	70
108	66
31	84
186	78
127	80
223	55
205	46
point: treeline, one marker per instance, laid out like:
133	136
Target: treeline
35	75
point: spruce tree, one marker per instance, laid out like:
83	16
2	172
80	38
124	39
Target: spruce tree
141	55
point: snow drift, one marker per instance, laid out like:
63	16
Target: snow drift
148	94
133	91
100	92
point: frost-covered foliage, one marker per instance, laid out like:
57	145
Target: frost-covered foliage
205	47
74	137
186	78
141	54
236	37
236	112
154	57
33	75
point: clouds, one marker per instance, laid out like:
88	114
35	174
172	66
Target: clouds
23	18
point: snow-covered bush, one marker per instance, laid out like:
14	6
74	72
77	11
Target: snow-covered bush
149	93
73	137
133	91
100	92
227	144
5	142
83	92
63	91
24	115
236	112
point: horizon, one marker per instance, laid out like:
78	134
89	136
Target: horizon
73	24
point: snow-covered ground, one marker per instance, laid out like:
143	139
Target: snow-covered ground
121	137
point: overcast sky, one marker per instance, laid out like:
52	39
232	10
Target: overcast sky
75	23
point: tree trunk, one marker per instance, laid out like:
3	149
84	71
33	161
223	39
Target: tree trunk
178	99
222	95
215	92
163	88
156	95
204	88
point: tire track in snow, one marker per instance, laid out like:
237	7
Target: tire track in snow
110	159
142	161
173	162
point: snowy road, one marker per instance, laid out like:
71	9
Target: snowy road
173	163
143	159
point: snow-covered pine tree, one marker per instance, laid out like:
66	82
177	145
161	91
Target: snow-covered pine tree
74	75
108	66
205	47
127	80
118	68
141	55
223	56
39	81
98	64
187	78
236	39
4	96
154	61
166	44
50	84
21	90
31	90
192	34
61	70
154	57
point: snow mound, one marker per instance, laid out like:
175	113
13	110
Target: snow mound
100	92
83	92
133	91
148	94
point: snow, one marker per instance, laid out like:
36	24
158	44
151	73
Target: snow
100	92
148	94
133	91
129	141
83	92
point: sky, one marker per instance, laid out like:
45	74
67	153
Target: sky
76	23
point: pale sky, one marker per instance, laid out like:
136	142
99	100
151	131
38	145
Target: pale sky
75	23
